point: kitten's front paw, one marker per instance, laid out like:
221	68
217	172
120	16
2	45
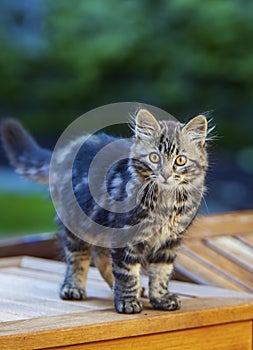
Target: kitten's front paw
71	292
132	306
167	302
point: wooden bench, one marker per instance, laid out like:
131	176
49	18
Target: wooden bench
217	253
33	317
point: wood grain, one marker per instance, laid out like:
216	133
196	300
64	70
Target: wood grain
226	337
33	316
203	273
234	249
218	251
44	245
222	224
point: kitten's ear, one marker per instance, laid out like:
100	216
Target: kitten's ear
146	125
197	129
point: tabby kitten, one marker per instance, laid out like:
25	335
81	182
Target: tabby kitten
164	174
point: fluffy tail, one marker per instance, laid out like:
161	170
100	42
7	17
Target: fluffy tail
24	154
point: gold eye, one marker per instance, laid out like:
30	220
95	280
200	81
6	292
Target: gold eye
154	157
181	160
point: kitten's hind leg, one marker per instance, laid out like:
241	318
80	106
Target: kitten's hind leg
103	262
78	256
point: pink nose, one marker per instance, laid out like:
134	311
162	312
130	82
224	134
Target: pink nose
166	176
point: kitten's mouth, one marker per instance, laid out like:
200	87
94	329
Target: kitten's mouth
165	180
166	183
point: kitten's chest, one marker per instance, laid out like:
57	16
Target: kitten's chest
163	234
163	224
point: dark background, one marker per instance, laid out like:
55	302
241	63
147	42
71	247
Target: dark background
59	59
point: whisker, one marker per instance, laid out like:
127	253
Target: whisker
199	191
148	196
141	190
151	192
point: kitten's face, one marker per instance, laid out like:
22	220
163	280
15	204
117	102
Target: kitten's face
167	152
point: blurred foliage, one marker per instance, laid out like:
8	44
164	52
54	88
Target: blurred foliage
61	58
24	214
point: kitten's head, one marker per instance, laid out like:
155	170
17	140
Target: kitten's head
169	153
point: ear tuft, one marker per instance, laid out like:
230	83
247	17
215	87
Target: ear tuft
146	125
197	129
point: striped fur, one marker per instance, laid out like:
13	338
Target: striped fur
24	153
164	174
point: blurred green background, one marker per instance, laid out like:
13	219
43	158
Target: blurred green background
60	59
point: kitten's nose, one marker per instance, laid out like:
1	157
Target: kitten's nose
165	176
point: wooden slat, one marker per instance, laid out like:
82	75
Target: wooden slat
218	250
13	261
220	264
246	238
8	317
234	250
42	264
45	245
194	290
221	224
226	336
203	273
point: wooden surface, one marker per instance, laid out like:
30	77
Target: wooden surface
33	317
218	251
